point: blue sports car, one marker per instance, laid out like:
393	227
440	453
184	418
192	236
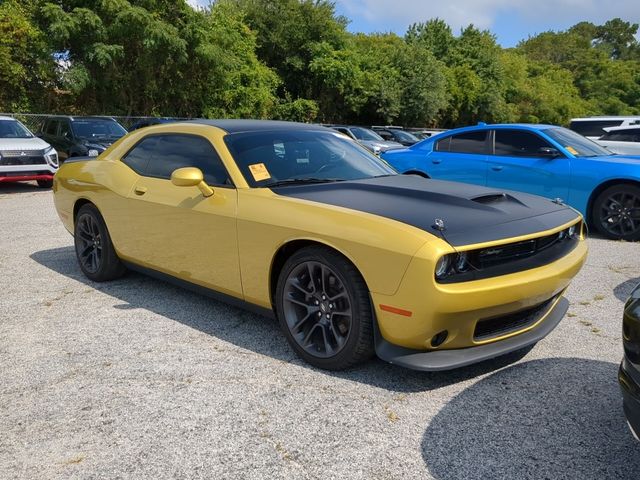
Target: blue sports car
541	159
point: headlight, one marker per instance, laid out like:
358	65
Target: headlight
442	267
572	231
93	152
51	156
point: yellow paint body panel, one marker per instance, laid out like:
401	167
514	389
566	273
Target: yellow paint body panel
227	242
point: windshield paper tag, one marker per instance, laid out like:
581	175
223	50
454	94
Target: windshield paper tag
572	150
259	172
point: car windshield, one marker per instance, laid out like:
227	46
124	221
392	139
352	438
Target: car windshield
366	134
97	128
576	143
270	157
405	136
13	129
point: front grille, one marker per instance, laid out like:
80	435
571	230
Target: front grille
23	160
512	322
513	251
512	257
22	153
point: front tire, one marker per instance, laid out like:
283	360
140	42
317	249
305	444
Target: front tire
616	212
95	253
324	310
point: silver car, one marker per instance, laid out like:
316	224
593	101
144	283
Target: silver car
23	156
367	138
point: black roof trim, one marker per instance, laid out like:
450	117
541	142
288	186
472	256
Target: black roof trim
238	126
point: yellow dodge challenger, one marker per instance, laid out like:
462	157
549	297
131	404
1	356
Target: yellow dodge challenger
299	222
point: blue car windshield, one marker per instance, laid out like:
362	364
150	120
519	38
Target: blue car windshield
267	157
576	143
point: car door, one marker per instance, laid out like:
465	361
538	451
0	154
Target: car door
50	135
460	158
175	229
65	138
524	161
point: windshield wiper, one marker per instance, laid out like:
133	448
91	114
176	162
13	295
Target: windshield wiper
301	181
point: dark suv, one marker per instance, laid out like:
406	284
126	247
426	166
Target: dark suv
80	136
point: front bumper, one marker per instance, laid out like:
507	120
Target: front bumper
437	360
24	173
630	396
463	310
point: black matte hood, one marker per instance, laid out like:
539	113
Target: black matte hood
471	214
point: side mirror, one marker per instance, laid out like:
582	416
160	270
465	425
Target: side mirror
549	152
191	177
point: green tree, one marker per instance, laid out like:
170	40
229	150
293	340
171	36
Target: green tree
27	70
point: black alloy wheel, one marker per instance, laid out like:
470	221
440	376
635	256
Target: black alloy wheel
88	243
95	253
616	212
324	310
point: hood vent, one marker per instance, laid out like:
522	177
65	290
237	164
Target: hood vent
491	198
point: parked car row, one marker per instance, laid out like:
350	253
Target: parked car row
25	156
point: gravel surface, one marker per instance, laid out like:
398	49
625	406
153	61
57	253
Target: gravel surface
139	379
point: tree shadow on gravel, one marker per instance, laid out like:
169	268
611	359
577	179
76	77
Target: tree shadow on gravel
248	330
557	418
623	290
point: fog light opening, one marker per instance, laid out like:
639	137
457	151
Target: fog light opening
439	338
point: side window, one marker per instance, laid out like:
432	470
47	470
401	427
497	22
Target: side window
631	135
443	145
469	142
52	127
518	143
593	128
177	151
65	129
384	134
139	156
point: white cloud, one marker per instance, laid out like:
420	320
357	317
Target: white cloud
396	15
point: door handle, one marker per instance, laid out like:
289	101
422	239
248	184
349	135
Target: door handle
497	168
436	161
140	190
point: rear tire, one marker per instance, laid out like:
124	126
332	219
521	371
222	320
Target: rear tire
323	307
45	183
95	253
616	212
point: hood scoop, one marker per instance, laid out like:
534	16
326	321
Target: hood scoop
490	198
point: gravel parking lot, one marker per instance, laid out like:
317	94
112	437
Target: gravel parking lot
139	379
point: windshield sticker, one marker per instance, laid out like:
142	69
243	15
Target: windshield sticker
572	150
259	172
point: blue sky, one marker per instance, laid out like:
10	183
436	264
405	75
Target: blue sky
510	20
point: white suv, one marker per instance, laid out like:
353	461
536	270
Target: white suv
23	156
594	127
622	140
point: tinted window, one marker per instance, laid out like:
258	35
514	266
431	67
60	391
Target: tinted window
384	134
95	128
593	128
138	157
52	127
468	142
630	135
177	151
65	129
518	143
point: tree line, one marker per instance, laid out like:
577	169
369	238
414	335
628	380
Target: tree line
296	60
